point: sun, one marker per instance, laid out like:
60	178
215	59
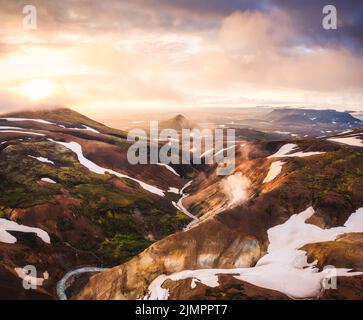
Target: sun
37	89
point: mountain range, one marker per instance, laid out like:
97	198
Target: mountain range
310	116
96	227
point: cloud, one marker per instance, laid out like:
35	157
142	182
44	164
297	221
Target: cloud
117	15
307	20
252	32
250	51
184	52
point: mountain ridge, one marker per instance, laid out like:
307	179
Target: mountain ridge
293	115
102	216
112	221
236	237
66	117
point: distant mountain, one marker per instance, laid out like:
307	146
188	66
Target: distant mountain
178	122
311	116
248	134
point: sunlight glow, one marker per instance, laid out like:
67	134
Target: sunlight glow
37	89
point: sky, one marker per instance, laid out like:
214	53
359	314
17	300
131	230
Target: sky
113	55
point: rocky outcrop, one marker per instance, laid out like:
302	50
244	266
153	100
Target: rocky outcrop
107	219
238	236
345	252
229	288
211	244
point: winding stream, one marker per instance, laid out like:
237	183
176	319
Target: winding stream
62	284
179	206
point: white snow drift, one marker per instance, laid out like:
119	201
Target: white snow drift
10	128
275	170
85	128
173	190
169	168
7	225
42	159
77	149
284	152
47	180
284	268
27	119
352	141
24	132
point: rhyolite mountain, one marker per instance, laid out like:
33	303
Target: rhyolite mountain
310	116
178	123
64	117
290	208
91	218
236	217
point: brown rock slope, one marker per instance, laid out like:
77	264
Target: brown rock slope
92	219
331	182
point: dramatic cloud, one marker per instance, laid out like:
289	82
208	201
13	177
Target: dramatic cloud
159	53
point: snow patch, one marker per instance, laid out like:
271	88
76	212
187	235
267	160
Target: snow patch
284	268
42	159
173	190
169	168
77	149
284	152
85	128
10	128
48	180
345	132
24	132
27	119
7	225
352	141
275	170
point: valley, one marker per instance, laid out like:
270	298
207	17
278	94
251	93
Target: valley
74	207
